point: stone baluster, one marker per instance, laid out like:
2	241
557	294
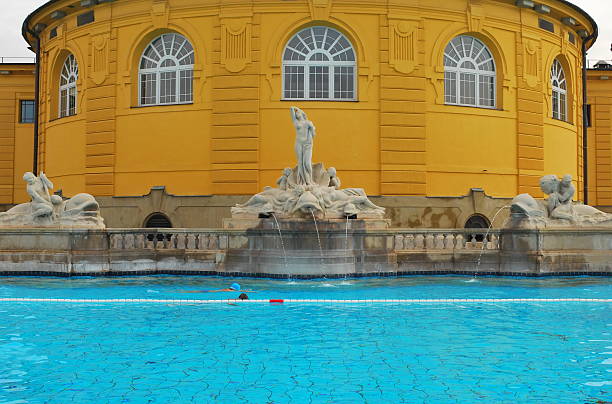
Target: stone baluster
399	242
167	241
191	241
408	242
213	243
140	241
449	241
429	242
439	242
128	241
117	241
203	241
419	241
472	244
152	241
181	241
494	243
223	242
459	242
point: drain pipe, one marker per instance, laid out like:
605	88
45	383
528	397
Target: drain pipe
36	100
585	119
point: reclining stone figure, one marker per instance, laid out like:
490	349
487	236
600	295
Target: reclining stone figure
557	210
46	210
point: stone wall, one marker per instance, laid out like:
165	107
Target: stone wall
209	211
353	252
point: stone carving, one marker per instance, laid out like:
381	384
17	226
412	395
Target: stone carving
334	181
557	210
305	133
46	210
308	189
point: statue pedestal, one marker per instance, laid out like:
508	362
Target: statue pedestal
329	248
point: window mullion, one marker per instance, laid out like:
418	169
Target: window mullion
331	73
178	86
477	92
307	82
158	89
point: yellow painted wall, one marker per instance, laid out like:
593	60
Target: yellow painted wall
16	139
398	138
599	88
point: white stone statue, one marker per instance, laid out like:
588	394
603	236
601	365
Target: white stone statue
308	189
304	138
46	210
282	182
334	181
557	210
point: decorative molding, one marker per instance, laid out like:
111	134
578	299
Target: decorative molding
235	44
99	58
532	64
475	15
160	13
403	42
319	9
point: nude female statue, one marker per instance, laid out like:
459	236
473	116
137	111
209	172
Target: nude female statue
305	133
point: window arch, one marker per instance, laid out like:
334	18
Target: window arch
469	73
559	91
319	63
166	71
68	87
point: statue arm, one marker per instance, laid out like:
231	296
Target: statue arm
293	115
312	129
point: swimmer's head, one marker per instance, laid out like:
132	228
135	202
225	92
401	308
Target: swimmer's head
235	286
243	296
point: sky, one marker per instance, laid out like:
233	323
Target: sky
13	14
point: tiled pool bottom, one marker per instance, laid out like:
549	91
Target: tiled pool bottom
375	353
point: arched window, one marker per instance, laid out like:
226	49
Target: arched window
158	221
68	87
559	91
469	73
319	63
166	71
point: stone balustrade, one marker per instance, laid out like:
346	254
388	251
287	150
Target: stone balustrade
452	239
168	239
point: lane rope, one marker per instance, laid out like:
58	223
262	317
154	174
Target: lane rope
293	301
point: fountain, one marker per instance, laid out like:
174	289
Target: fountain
311	209
310	214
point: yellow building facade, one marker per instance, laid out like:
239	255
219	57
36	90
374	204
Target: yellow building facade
410	98
16	130
600	135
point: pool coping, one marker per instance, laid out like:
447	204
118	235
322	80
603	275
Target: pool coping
112	274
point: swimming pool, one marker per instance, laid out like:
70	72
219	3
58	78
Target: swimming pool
521	352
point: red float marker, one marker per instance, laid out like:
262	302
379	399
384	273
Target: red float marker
277	301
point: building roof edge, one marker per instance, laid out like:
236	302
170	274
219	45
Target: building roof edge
25	27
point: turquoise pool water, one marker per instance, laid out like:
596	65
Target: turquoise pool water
306	353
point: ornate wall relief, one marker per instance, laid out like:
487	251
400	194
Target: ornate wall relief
99	58
531	62
160	13
475	15
235	44
402	45
320	9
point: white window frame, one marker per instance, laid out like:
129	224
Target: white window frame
330	63
158	70
70	74
477	72
557	75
